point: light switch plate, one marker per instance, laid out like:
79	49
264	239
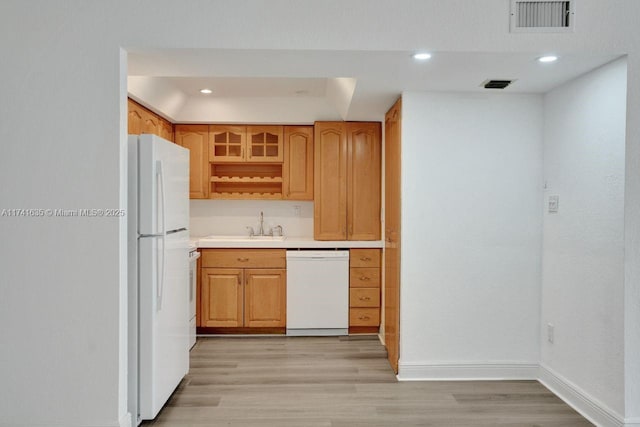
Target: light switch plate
554	202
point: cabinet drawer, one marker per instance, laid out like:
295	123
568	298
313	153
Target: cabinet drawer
364	277
244	258
364	258
364	297
364	317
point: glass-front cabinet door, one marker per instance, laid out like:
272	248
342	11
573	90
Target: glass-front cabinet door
265	143
227	143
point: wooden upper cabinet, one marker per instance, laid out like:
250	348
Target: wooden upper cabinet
264	144
227	143
347	181
134	121
363	182
142	120
166	130
196	139
330	181
297	172
237	144
150	123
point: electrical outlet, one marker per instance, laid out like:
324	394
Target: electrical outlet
550	333
296	210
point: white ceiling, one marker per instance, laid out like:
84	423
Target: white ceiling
303	86
252	87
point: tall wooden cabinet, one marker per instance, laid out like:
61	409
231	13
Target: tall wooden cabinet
393	143
330	181
243	288
196	139
347	169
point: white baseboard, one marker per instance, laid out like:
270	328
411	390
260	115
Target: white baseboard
467	371
125	421
589	407
632	422
122	423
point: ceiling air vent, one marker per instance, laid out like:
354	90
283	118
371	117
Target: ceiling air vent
542	16
496	84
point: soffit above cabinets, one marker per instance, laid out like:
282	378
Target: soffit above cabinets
286	86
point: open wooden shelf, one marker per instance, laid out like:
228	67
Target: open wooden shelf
245	195
245	181
258	179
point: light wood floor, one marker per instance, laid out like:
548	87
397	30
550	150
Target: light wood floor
340	382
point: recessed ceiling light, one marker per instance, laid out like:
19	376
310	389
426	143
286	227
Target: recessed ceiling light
421	56
549	58
206	91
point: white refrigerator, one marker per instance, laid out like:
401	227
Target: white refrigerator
158	211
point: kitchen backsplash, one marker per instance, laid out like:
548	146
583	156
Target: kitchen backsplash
231	217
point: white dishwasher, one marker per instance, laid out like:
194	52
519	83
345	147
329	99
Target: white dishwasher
318	292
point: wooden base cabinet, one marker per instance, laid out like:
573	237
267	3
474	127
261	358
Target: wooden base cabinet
265	298
235	297
222	297
364	290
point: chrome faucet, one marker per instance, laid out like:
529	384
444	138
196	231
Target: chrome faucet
261	229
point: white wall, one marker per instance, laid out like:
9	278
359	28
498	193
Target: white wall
61	306
61	279
231	217
632	244
471	196
583	251
303	110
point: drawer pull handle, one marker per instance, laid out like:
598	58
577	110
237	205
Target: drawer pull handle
365	278
243	259
365	298
364	318
365	258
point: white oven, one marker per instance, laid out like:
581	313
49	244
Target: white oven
193	278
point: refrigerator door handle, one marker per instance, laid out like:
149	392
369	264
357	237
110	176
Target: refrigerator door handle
163	234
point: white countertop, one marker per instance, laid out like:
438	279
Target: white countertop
289	242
